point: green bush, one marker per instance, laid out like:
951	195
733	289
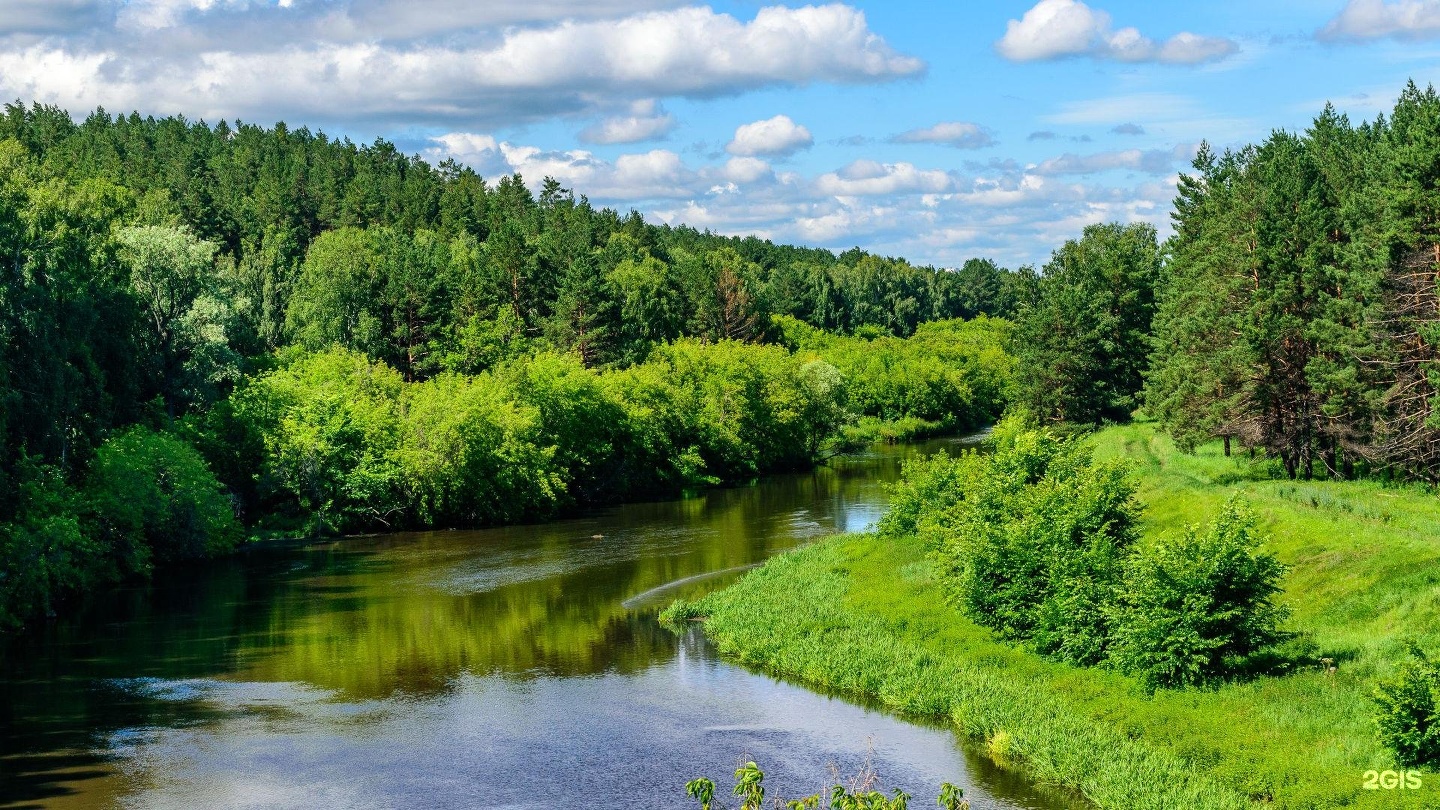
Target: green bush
152	499
860	795
331	428
1193	606
926	485
344	442
954	373
1030	540
469	454
43	552
1036	541
1409	711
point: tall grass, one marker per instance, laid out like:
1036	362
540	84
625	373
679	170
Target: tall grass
861	615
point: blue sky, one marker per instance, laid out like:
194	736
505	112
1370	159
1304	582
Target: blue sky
934	131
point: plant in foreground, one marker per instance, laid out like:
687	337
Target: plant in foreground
750	789
1409	710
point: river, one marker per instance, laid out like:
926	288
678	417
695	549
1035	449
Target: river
520	667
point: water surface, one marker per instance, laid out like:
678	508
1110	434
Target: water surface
519	667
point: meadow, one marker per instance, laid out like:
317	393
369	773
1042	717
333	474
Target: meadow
863	615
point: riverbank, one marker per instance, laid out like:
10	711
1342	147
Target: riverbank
861	615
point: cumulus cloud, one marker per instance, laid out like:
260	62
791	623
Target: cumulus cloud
1043	135
646	121
747	170
1055	29
868	178
958	134
1128	129
474	76
1014	218
774	136
1373	19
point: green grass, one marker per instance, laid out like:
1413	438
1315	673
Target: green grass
861	615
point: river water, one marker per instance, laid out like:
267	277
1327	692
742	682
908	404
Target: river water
520	667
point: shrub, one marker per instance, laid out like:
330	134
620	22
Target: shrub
152	500
859	795
1030	540
954	373
1409	711
331	426
926	484
470	455
1191	606
43	552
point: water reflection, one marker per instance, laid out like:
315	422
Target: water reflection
514	667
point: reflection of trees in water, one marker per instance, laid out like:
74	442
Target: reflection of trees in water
65	688
372	617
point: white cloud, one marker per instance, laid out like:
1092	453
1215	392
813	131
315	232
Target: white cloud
156	14
747	170
645	122
473	78
958	134
1055	29
657	174
1149	161
773	136
409	19
1372	19
929	215
867	178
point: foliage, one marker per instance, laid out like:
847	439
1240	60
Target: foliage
331	428
45	551
866	616
470	454
172	275
951	373
750	789
861	616
347	442
1190	607
701	790
1082	342
153	500
1297	313
1036	540
1029	540
1409	710
300	309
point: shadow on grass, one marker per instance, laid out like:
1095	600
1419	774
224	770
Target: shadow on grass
1299	654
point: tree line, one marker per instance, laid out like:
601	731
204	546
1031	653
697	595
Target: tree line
1295	311
251	325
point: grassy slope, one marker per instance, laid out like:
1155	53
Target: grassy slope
859	614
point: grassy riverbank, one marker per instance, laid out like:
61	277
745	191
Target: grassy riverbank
859	614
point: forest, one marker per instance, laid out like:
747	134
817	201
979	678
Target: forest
213	333
1294	311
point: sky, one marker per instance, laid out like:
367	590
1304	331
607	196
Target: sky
935	131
